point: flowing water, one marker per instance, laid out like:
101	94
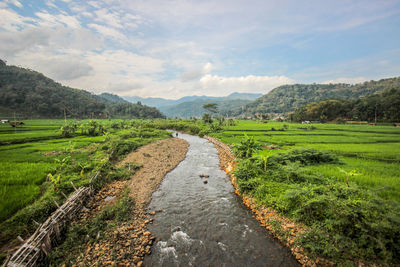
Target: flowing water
198	224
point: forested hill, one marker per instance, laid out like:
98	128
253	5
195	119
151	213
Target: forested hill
288	98
30	94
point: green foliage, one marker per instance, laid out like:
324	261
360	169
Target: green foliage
122	147
54	179
305	156
207	118
211	107
385	105
68	130
246	148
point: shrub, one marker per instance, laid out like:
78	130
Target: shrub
304	156
247	169
246	148
120	148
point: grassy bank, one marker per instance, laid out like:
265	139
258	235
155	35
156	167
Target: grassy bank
34	174
340	181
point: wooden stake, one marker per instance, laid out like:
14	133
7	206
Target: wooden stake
21	239
73	185
58	206
63	194
35	222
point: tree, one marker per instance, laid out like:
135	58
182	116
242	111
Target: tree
211	107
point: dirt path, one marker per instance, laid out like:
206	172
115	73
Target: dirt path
128	243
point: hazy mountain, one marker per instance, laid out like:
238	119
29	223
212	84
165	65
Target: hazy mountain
288	98
195	108
150	101
30	94
244	96
192	106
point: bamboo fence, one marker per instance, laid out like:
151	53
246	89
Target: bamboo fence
48	234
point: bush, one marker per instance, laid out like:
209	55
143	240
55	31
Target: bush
68	130
120	148
304	156
246	148
292	172
358	224
247	169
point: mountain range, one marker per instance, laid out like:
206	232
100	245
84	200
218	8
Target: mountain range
192	106
31	94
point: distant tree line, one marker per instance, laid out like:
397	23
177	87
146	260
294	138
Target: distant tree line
384	106
30	92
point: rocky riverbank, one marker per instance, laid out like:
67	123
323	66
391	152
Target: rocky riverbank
127	243
282	228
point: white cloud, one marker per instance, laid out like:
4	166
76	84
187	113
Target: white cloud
111	19
196	73
118	71
12	43
94	4
121	61
12	21
50	20
50	3
218	85
15	3
108	32
58	67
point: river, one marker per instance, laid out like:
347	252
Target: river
205	224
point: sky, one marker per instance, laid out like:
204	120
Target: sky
176	48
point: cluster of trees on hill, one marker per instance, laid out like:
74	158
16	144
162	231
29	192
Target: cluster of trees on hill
288	98
383	106
31	93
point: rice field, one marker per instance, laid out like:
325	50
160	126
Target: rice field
25	166
373	151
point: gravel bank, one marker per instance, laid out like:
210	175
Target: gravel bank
127	243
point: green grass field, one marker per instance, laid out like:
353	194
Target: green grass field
36	149
24	166
31	130
374	151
